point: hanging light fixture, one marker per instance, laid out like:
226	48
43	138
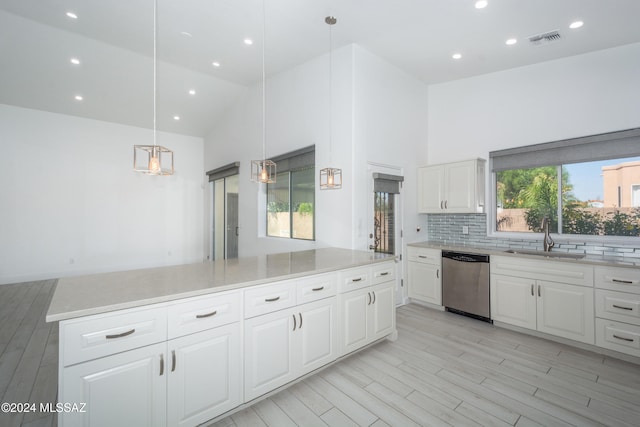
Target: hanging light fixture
330	178
263	170
153	159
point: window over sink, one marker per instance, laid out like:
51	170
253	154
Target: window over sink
587	186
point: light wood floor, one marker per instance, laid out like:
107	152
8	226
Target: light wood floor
444	369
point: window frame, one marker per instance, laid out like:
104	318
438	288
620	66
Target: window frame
492	231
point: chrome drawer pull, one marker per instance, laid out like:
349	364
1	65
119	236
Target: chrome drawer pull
202	316
623	338
629	282
318	289
356	280
161	364
271	299
621	307
124	334
173	360
386	273
422	256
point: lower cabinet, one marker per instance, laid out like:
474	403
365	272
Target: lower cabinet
125	389
284	345
184	382
366	315
424	274
558	309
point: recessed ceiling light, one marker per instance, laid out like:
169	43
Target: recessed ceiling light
186	34
78	98
576	24
176	118
215	64
481	4
72	15
75	61
192	92
248	42
511	42
456	56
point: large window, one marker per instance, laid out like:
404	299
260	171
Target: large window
291	199
584	186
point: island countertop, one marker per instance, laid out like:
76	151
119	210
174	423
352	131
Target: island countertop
100	293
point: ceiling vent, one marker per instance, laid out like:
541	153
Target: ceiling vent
545	38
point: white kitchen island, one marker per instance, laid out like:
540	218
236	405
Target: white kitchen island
182	345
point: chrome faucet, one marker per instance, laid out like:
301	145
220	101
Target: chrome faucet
548	242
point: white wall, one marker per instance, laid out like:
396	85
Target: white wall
577	96
390	129
297	116
71	204
379	116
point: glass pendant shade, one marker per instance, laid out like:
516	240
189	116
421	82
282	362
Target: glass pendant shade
263	171
152	160
330	179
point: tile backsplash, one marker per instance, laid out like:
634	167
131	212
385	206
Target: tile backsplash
447	229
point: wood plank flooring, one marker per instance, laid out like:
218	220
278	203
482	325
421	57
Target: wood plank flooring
443	370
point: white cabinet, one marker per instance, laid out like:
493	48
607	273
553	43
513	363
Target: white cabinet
124	389
618	309
551	297
366	314
452	187
424	274
286	344
204	375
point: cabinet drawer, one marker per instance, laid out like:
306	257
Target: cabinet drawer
316	287
425	255
549	270
204	312
355	278
383	273
620	306
101	335
618	336
618	279
268	298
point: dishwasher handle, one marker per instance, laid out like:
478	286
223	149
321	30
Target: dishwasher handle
465	257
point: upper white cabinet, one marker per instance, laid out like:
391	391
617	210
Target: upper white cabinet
452	187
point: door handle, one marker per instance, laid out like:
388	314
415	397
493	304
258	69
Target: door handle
173	360
294	322
437	273
539	291
237	230
300	326
532	289
161	364
369	293
374	297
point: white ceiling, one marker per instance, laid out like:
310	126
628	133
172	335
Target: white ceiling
114	41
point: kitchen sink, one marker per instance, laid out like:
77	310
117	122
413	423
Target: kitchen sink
545	254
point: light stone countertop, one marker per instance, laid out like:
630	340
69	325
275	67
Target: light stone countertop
100	293
492	250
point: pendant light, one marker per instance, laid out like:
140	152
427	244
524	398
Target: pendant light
264	170
330	178
153	159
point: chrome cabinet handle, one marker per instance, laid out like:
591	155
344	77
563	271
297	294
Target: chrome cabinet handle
369	293
629	282
271	299
422	256
445	204
532	289
202	316
161	364
124	334
621	307
318	289
437	273
539	291
385	273
300	326
441	202
173	360
356	280
623	338
294	322
374	297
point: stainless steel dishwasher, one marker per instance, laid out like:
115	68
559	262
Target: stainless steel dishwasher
465	284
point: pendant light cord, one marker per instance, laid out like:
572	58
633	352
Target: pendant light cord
264	83
330	20
155	83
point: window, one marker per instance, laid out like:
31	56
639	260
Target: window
585	186
291	199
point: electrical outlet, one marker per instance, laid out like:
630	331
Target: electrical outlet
465	229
